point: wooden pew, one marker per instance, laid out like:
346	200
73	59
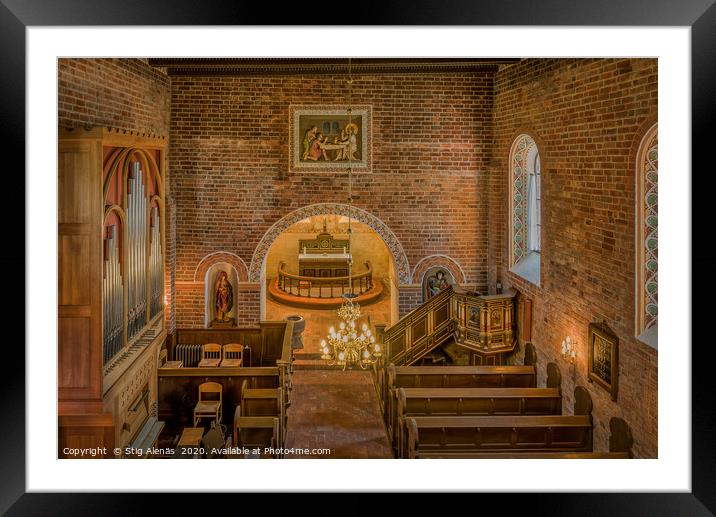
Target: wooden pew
252	432
453	377
413	402
381	371
531	455
620	444
436	436
461	436
265	402
261	401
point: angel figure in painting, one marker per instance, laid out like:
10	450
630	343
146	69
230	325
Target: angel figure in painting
224	297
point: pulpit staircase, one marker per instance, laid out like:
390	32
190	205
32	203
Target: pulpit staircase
481	323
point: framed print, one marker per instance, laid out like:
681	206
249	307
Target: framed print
603	349
258	146
330	138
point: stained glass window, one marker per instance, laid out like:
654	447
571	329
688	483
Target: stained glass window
647	233
525	199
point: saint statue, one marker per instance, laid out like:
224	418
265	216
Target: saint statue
223	298
437	283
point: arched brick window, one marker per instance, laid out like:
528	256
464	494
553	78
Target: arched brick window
525	208
647	266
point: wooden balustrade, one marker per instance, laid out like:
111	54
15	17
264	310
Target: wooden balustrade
482	324
324	287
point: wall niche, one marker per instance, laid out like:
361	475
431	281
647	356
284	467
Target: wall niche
221	289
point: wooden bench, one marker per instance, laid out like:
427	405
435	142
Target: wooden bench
620	444
454	377
470	402
252	432
382	380
531	455
436	436
460	436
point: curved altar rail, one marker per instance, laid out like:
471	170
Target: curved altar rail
324	287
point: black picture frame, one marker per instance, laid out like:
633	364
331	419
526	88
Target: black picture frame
608	380
17	15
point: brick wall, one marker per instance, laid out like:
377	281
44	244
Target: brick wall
409	298
122	93
585	116
229	162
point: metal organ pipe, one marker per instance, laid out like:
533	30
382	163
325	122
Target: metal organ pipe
112	298
137	248
156	278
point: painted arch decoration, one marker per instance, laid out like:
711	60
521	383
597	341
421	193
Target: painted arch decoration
357	214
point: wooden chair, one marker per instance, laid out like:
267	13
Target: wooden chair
210	355
208	405
233	355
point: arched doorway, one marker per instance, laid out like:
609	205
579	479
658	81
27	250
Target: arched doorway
370	254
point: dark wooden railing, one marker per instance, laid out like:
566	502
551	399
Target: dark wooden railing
324	287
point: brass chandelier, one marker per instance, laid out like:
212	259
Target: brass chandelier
345	346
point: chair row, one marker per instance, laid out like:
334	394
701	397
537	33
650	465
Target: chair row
229	355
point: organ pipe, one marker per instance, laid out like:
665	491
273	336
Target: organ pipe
112	291
156	272
136	251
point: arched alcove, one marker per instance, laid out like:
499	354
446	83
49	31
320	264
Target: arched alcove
210	280
258	261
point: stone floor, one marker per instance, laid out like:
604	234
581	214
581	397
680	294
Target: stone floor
339	411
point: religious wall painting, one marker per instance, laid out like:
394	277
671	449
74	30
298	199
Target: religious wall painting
327	138
603	351
436	279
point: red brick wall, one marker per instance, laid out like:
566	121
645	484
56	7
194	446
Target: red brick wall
229	162
122	93
585	116
409	298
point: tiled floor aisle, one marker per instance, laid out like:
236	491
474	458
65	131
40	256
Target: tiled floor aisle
336	410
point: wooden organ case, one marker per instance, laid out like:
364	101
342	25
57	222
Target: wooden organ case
111	243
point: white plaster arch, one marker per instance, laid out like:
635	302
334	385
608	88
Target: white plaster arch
258	261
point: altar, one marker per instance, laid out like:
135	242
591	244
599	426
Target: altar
323	257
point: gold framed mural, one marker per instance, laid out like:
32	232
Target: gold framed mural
323	139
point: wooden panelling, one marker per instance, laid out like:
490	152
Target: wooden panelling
79	263
526	326
77	163
74	260
442	313
93	434
419	329
74	358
